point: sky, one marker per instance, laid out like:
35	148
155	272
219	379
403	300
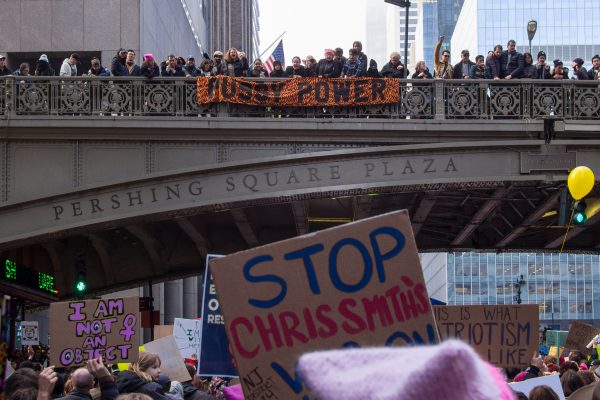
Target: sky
311	26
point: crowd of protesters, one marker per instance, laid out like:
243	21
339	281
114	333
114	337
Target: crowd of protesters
144	380
499	63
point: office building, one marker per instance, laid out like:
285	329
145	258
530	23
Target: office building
234	23
563	29
565	286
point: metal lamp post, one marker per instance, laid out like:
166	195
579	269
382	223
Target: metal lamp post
531	29
406	4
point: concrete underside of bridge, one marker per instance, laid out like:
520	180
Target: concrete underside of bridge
147	200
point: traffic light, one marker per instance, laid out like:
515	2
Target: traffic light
80	276
585	209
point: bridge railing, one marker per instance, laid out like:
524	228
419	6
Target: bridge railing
419	99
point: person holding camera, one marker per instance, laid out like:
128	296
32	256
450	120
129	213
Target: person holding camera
559	71
579	72
542	70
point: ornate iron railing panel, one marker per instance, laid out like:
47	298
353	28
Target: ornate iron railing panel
419	99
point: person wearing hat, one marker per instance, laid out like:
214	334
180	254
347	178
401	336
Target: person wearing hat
218	64
4	71
42	67
190	67
579	72
594	73
69	66
117	65
558	72
149	67
327	67
542	70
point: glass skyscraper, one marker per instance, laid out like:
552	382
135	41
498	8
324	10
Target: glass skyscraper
565	286
564	29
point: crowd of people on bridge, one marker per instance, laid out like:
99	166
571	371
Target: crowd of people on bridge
451	370
499	63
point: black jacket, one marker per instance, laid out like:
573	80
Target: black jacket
390	71
5	72
129	382
277	73
135	70
457	74
362	57
514	68
239	68
290	71
108	391
191	393
149	71
593	74
329	69
42	68
426	76
542	72
117	67
177	72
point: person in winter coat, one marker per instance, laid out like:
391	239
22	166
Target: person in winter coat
512	61
462	70
149	67
4	70
493	63
97	69
132	68
421	71
558	72
311	66
328	67
296	69
69	65
394	68
206	68
117	65
83	381
362	57
143	377
42	67
478	70
529	70
23	70
278	71
218	63
542	70
352	67
257	70
579	72
234	65
190	68
171	67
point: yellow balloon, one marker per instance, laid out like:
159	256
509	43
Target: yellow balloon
580	182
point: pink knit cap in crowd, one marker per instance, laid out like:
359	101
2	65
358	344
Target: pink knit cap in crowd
233	392
449	371
148	57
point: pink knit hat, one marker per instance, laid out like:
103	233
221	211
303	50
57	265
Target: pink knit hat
148	57
449	371
233	392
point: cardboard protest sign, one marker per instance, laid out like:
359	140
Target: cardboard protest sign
30	334
580	335
171	362
299	92
527	385
186	333
215	357
160	331
359	284
504	335
81	330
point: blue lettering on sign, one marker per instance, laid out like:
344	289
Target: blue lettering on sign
305	254
381	257
264	278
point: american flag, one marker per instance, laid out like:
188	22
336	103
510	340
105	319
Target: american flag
277	55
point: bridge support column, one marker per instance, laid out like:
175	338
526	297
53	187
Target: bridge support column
191	300
173	297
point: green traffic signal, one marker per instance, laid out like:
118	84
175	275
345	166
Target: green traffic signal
583	210
81	286
579	218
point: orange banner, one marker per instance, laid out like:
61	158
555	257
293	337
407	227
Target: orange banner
299	91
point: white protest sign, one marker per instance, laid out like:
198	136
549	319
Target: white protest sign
30	334
527	385
187	334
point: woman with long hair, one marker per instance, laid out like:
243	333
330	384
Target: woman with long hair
234	65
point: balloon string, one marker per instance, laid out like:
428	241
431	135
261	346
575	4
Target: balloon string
567	232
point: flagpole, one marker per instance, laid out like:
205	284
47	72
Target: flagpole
271	45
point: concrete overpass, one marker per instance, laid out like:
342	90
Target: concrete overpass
143	182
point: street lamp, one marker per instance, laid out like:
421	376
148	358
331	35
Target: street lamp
531	29
518	286
405	4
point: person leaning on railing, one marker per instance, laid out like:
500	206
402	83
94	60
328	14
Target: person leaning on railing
542	70
4	70
296	70
328	67
421	71
394	68
478	69
594	73
117	65
442	68
278	71
97	69
149	67
493	63
352	67
529	71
